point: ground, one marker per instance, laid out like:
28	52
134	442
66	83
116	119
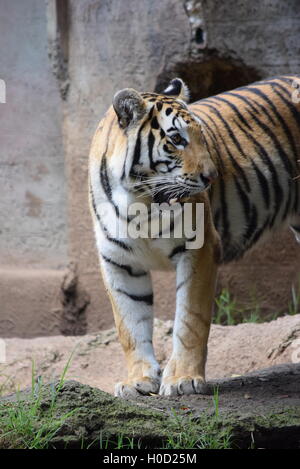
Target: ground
243	412
260	409
98	359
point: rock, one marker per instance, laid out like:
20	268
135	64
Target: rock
270	419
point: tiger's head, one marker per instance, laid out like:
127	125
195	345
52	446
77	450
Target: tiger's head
166	151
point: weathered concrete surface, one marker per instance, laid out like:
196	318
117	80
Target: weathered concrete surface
33	237
140	44
41	302
32	181
30	302
258	410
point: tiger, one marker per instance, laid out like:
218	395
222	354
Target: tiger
237	154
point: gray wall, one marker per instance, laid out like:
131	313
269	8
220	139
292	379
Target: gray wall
32	181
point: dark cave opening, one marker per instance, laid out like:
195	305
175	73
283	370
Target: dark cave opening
208	77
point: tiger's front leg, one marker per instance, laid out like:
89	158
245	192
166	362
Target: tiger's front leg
196	277
131	296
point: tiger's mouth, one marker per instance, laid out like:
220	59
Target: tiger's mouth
164	194
164	197
167	190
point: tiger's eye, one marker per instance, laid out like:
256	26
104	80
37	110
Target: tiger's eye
176	139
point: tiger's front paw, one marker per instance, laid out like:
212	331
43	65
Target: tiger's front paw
180	385
137	386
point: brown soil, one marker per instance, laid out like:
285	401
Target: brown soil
98	359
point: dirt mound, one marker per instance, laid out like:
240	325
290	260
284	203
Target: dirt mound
259	410
98	360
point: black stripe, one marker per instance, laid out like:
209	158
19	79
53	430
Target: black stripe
251	103
235	110
167	150
125	267
294	111
162	133
235	164
181	284
244	198
150	114
261	177
259	233
104	178
224	211
288	202
177	250
124	165
272	82
250	213
174	120
137	148
278	192
220	162
118	242
280	119
217	216
108	191
263	183
227	127
295	147
148	299
151	141
281	152
252	224
154	123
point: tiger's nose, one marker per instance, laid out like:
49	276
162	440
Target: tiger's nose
210	176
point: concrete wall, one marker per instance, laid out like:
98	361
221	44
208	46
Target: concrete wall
96	48
32	209
33	234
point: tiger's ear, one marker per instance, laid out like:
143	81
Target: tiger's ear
129	107
177	89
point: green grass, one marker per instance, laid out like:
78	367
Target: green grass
294	305
20	423
229	313
226	309
122	442
196	435
189	435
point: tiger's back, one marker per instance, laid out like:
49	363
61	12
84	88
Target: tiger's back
253	134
